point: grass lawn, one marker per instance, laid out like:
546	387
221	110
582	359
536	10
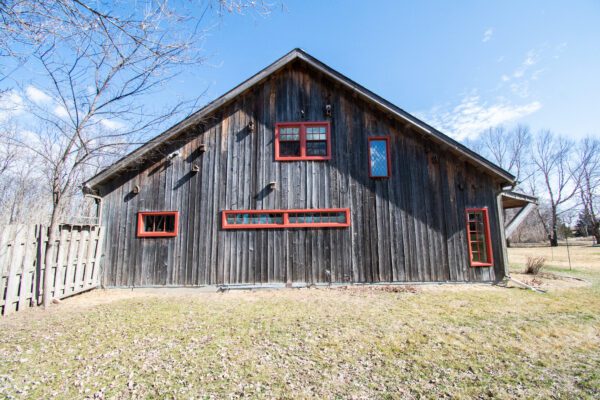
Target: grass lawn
459	341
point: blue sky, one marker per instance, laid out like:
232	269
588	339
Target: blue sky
461	66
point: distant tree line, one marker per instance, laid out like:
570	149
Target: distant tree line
563	173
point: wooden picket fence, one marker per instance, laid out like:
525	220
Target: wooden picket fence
75	267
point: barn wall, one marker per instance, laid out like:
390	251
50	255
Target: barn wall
410	227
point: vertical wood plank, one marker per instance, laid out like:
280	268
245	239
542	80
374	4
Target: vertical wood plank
17	234
28	269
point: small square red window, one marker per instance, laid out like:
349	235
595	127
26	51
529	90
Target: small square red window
157	223
296	141
478	237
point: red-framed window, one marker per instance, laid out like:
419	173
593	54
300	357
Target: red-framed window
380	162
302	141
478	236
157	223
265	219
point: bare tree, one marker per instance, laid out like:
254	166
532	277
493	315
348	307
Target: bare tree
30	23
8	152
507	148
100	64
589	184
8	157
559	175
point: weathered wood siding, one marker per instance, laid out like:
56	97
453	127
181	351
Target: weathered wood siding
75	266
410	227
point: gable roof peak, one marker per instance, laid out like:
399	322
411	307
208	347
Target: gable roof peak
298	53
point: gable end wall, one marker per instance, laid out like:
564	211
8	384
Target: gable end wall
409	228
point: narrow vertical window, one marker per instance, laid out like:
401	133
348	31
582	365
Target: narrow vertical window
478	236
379	157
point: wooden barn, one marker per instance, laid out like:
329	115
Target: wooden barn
300	176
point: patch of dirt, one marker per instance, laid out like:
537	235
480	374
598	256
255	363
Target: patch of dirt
378	288
550	281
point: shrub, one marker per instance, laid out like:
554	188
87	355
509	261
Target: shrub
534	265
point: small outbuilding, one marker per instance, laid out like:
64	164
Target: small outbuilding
301	176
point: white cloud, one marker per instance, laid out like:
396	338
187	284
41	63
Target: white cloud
111	124
559	49
487	35
522	76
536	74
11	105
472	116
520	88
36	95
61	111
531	58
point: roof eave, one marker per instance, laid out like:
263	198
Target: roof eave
195	118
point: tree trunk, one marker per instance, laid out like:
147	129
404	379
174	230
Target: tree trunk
49	254
554	237
596	232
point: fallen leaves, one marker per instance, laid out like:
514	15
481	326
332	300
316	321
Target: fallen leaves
354	342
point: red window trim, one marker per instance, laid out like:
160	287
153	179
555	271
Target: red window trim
286	223
389	156
488	239
140	224
302	126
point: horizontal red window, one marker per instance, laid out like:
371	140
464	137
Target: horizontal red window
478	237
302	141
307	218
157	223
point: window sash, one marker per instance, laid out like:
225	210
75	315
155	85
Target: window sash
478	237
280	219
373	157
314	140
157	223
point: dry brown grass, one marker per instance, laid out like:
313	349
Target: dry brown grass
455	341
585	259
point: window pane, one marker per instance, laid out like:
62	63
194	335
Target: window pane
170	223
316	148
149	223
316	133
270	219
289	149
290	133
159	223
379	154
477	237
